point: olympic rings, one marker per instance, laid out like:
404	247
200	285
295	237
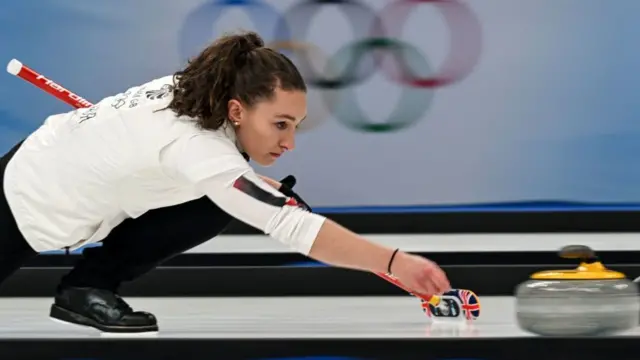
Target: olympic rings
377	34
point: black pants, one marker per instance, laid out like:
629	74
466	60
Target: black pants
132	249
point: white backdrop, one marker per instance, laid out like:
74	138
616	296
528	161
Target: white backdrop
548	112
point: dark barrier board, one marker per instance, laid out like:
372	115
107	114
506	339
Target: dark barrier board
285	281
480	222
534	348
291	259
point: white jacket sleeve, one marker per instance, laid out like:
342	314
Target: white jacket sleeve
220	172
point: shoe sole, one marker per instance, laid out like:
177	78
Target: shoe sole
69	317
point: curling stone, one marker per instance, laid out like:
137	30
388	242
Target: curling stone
587	301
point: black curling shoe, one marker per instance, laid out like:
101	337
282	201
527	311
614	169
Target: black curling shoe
100	309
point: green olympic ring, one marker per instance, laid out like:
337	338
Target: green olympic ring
414	100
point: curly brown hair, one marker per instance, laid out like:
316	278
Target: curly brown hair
236	66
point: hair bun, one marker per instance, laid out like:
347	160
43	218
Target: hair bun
250	41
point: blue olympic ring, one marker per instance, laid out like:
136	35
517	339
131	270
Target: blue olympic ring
192	36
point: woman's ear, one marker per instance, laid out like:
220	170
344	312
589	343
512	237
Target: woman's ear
236	111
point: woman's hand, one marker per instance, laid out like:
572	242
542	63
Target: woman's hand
419	274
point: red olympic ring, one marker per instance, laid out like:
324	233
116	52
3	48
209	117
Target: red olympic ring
466	39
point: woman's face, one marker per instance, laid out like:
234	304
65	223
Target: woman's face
267	130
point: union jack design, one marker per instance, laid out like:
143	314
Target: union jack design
470	304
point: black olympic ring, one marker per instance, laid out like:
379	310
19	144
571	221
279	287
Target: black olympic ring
362	19
413	101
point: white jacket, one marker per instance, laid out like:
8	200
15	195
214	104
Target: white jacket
82	173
